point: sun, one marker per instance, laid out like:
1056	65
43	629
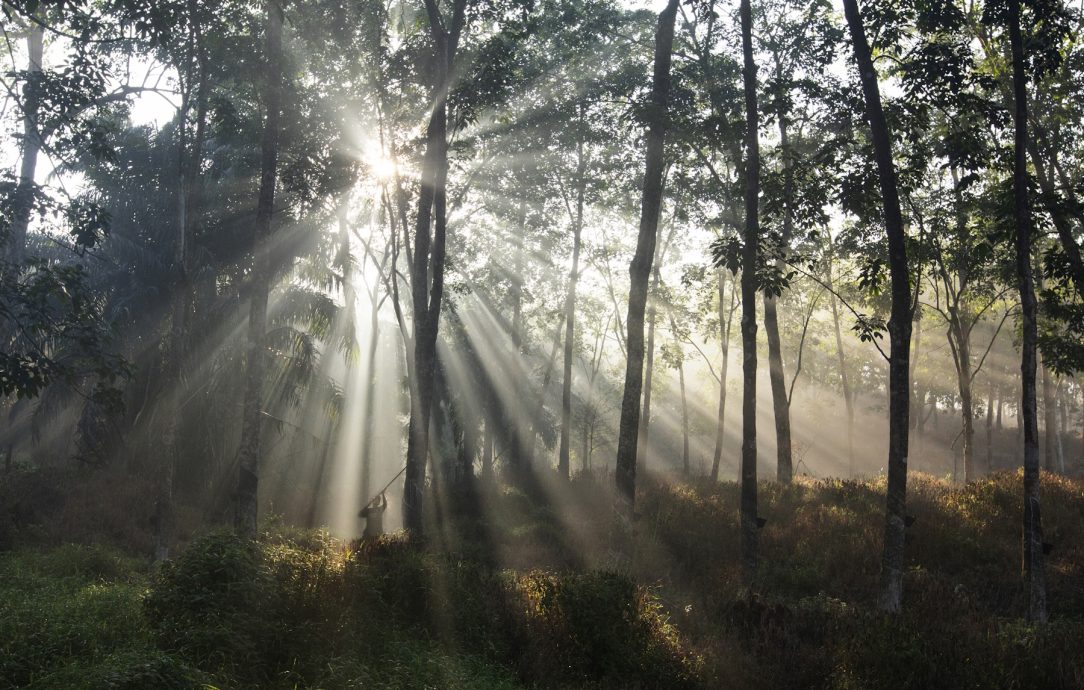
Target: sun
380	167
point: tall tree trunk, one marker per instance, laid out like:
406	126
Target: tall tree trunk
640	269
994	392
963	375
513	433
515	457
899	324
684	406
25	191
249	454
590	416
570	312
725	322
917	394
780	402
487	450
1050	417
844	377
188	197
427	275
1059	450
750	251
1000	405
649	370
1034	576
367	405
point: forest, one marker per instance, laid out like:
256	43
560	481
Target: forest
541	344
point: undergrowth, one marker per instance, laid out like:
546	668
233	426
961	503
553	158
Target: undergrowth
528	592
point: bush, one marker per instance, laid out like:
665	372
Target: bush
219	606
597	627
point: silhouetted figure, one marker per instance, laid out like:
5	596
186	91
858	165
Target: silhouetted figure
374	517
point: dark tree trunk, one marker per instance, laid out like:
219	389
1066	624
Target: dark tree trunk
640	269
570	313
750	250
644	441
427	275
780	401
899	324
1034	576
725	321
249	454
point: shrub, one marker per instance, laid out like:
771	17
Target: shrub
597	627
218	605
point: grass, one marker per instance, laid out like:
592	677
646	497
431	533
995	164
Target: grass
529	593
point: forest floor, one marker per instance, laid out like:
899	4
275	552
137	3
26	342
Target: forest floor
528	593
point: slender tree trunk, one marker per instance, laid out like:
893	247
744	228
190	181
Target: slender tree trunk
515	457
848	393
1059	449
515	439
963	353
590	416
1034	575
570	313
644	441
1050	417
780	402
249	454
684	407
640	269
899	324
845	382
1000	405
917	395
994	392
725	322
1063	405
750	251
487	451
25	191
188	197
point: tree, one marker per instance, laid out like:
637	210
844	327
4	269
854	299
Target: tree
26	190
430	241
570	307
249	452
726	309
899	324
750	257
1034	576
640	269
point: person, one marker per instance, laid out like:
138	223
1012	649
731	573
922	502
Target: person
374	517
